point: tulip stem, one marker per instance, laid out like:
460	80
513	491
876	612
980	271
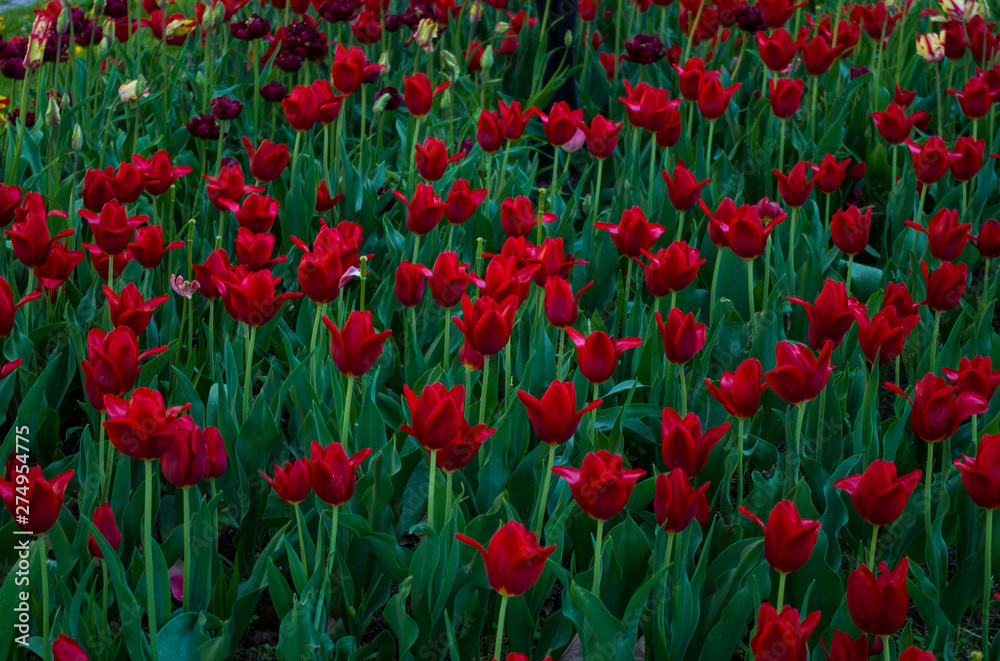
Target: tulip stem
187	549
682	375
320	309
559	363
986	279
711	297
431	473
597	558
508	380
148	553
364	278
928	473
871	551
345	424
987	583
295	164
750	292
536	526
782	577
892	184
468	394
708	153
739	462
885	649
302	541
447	494
416	248
593	417
597	193
791	249
211	339
103	466
652	171
500	622
251	339
485	390
104	607
798	438
668	554
934	338
447	341
331	554
43	568
850	267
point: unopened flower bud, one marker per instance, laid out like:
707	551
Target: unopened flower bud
76	142
486	61
449	61
53	115
501	28
62	23
475	12
380	104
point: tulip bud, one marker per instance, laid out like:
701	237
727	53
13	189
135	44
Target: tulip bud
99	7
475	12
501	28
446	99
427	31
105	44
486	61
450	62
76	142
53	116
62	23
381	103
383	61
568	38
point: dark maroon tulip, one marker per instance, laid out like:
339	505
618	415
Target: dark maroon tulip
104	520
799	376
355	347
683	445
945	286
682	336
878	494
878	605
676	504
436	416
788	538
561	306
332	473
601	486
597	354
938	409
555	417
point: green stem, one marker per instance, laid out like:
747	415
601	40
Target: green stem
782	577
750	292
148	552
500	622
431	473
416	248
597	193
928	474
684	391
186	602
739	461
485	390
987	583
597	558
251	339
792	231
850	267
934	338
559	364
798	438
105	586
668	554
447	343
508	379
345	425
871	551
536	526
447	494
44	569
302	541
711	296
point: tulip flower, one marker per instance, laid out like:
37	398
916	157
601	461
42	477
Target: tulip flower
830	174
147	246
830	316
332	473
257	213
552	259
633	234
930	161
683	188
785	96
351	68
788	538
486	324
33	500
436	416
597	354
460	450
518	218
10	199
945	287
690	76
602	136
945	235
970	158
216	264
850	228
325	269
777	50
676	504
878	605
157	174
31	240
915	654
226	190
878	494
8	368
514	560
8	308
682	336
975	99
462	202
561	306
555	417
746	235
104	520
651	108
561	123
253	251
796	186
355	347
894	125
126	184
129	309
489	135
843	647
143	427
683	444
424	211
975	375
884	334
183	464
250	297
671	269
432	159
301	108
216	458
981	474
503	278
713	99
739	392
291	481
449	280
938	409
782	637
418	95
799	376
818	56
601	486
987	242
112	229
112	364
408	285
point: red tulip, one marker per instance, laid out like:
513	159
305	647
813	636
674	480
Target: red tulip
555	417
878	494
981	475
267	161
915	654
503	278
409	283
788	538
932	160
32	500
126	184
418	95
250	297
129	309
561	123
878	605
651	108
57	268
974	375
830	174
10	199
849	229
350	69
894	125
489	135
746	235
216	264
782	637
147	247
460	450
158	174
332	473
436	416
897	296
682	336
799	376
449	280
597	354
975	98
561	306
424	211
671	269
253	251
796	186
602	136
291	481
818	56
256	213
970	158
112	364
785	96
143	427
552	259
355	347
777	50
112	229
945	235
513	120
830	316
518	218
683	188
215	454
601	486
739	392
31	240
104	520
8	368
683	445
301	107
183	464
326	269
487	324
226	190
514	560
987	242
713	99
432	158
945	286
843	647
96	191
470	358
938	409
462	202
884	334
676	504
633	234
8	308
690	76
